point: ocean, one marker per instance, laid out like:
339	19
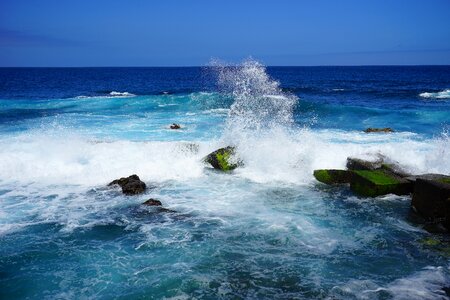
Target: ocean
267	230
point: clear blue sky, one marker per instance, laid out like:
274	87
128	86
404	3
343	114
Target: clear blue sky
190	33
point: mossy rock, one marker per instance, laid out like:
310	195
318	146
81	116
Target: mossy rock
223	159
332	176
372	183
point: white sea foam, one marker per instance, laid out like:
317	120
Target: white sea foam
445	94
64	157
424	285
37	165
292	157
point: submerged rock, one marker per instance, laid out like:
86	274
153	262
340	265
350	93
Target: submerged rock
386	130
223	159
152	202
431	199
372	183
332	176
130	185
158	205
175	126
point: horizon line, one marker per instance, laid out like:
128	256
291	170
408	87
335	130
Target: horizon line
207	66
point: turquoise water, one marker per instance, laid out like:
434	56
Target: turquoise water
267	230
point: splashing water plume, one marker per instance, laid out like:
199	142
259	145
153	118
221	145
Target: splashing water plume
259	103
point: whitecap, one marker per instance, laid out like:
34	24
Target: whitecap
445	94
121	94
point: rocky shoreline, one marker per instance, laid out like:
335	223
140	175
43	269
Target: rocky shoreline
430	193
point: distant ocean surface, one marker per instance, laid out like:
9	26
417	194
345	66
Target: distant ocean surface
267	230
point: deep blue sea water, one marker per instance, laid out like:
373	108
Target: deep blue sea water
267	230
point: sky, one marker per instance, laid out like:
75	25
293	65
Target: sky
79	33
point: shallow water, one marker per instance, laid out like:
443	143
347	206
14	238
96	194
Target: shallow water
266	230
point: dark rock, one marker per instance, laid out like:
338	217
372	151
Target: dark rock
175	126
446	290
431	199
386	130
223	159
379	163
372	183
333	176
360	164
131	185
152	202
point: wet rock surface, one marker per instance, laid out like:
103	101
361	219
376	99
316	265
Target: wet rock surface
361	164
223	159
152	202
430	192
131	185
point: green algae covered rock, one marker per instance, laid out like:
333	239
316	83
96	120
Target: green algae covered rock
332	176
223	159
372	183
